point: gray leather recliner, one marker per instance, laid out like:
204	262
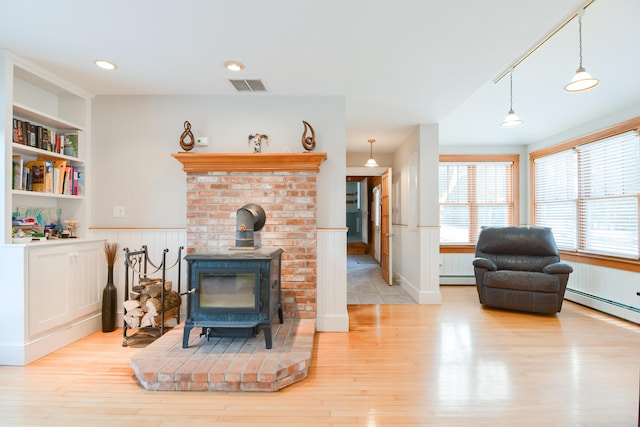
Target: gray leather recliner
519	268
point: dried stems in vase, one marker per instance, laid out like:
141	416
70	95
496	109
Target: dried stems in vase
111	252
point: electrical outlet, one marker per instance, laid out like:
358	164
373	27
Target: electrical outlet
118	211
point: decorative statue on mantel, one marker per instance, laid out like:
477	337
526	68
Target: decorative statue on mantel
257	140
308	142
187	142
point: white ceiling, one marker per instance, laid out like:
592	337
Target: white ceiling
397	63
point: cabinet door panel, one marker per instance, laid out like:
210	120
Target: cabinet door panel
88	279
49	289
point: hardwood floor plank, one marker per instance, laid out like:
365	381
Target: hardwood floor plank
454	364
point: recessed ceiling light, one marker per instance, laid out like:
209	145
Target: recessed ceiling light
105	64
234	66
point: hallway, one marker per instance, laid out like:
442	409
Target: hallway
366	286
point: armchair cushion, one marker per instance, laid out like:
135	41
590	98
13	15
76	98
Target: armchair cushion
522	281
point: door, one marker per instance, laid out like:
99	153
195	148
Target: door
386	260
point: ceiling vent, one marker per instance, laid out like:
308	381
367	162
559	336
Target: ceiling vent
248	85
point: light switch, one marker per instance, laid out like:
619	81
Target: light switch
118	211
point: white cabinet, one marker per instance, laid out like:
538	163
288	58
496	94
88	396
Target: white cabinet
64	284
55	289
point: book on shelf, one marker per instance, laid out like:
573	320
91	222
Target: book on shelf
48	176
32	135
68	180
71	144
17	124
59	172
18	173
37	171
80	185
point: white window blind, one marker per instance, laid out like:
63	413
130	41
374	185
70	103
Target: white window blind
556	196
589	196
472	195
609	191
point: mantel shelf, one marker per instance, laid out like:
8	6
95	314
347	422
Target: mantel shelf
249	162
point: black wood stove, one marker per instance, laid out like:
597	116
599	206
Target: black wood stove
233	292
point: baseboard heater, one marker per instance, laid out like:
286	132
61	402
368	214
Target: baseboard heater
604	300
457	280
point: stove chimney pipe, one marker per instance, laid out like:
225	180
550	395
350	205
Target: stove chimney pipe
249	218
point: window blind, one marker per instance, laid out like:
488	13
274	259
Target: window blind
609	190
556	196
589	196
472	195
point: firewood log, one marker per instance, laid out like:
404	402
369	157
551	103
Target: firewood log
132	321
130	304
145	321
168	285
153	290
153	306
171	300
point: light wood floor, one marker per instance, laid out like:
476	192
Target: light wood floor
456	364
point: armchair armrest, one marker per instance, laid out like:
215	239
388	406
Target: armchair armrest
485	263
558	268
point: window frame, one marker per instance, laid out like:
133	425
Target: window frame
619	263
515	189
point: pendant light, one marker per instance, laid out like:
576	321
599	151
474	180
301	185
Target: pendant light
371	163
582	81
512	118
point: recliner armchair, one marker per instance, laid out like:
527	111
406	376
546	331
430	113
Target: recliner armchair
519	268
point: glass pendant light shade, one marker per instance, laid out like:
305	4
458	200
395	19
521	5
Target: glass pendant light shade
581	81
511	120
371	163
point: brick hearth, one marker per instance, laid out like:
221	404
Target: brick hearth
227	364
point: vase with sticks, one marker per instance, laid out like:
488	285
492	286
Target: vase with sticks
110	292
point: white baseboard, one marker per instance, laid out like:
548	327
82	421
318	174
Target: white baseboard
20	355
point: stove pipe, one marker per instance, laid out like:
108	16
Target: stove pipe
249	218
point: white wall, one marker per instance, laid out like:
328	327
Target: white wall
416	221
405	242
133	137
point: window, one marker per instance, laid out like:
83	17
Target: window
475	191
588	194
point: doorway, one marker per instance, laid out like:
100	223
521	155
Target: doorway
362	232
368	219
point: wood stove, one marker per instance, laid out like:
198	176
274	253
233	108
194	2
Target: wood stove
233	292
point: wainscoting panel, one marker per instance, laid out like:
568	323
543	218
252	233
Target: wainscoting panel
606	289
332	313
156	240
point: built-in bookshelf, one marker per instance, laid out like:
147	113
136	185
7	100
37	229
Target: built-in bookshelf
55	279
46	143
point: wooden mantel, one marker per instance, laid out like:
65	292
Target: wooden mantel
250	162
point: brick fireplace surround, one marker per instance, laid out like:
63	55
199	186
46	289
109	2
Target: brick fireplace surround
284	184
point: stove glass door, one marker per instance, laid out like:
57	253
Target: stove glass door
228	290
